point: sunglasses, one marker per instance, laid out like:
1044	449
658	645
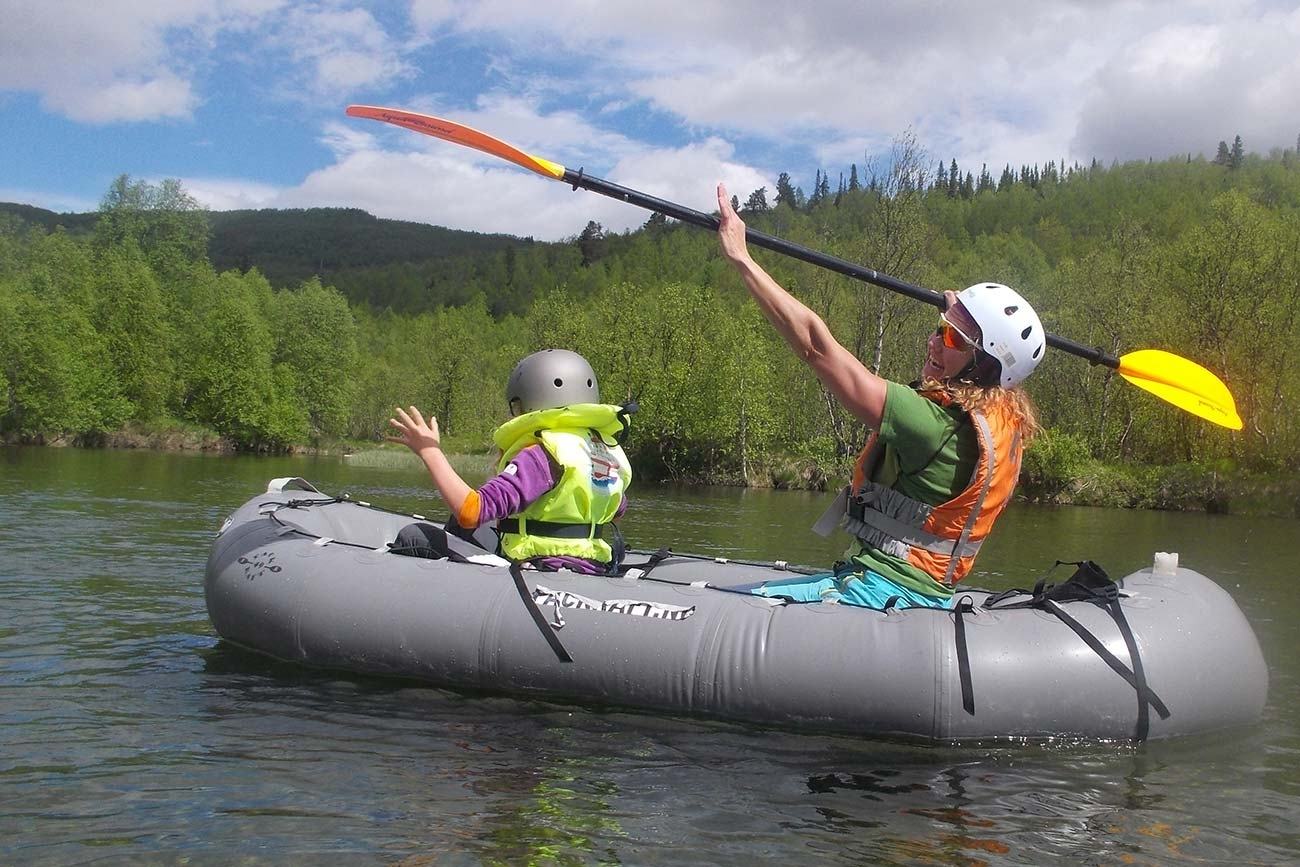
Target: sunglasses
954	337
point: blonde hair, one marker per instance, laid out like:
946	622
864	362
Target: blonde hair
1015	402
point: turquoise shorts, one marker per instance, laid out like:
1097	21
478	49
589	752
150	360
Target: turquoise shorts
866	589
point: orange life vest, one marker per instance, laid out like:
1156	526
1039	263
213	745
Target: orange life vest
941	540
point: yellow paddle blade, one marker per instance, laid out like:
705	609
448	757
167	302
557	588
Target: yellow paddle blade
1183	383
457	133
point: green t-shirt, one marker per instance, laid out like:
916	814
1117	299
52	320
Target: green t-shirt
931	452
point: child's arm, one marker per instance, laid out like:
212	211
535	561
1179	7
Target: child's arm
423	439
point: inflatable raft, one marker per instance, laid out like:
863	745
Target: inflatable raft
310	578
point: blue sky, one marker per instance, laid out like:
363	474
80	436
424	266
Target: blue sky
243	100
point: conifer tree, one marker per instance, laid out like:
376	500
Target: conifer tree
785	191
855	185
591	243
941	177
954	180
816	198
1238	155
757	202
1223	157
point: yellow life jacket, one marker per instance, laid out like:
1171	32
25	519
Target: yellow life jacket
583	440
941	541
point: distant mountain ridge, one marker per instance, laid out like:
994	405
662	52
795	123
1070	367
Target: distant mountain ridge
342	246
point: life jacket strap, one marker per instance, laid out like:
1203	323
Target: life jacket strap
553	529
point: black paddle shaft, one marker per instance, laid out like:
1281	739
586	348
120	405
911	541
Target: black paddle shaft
832	263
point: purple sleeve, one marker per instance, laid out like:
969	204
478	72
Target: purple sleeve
528	475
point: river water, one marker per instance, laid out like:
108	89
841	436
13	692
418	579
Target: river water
129	733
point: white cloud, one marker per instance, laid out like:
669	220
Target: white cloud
162	96
145	60
978	81
228	194
1183	88
99	62
338	50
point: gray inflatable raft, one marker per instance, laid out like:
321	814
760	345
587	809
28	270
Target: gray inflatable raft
305	577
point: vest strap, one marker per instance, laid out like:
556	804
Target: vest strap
908	534
986	437
553	529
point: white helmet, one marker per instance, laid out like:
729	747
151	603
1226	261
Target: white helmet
551	378
1010	332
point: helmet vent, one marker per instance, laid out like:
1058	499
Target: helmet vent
1038	351
559	383
1024	335
589	382
1010	311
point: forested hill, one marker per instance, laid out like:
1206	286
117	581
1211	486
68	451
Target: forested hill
395	264
49	220
289	246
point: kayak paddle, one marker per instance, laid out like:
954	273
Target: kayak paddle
1181	382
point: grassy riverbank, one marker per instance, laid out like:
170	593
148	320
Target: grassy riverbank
1057	470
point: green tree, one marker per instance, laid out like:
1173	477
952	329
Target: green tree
316	338
132	317
785	193
54	383
592	243
232	384
162	219
757	202
1238	154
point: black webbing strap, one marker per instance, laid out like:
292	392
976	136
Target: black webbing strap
517	573
552	529
1135	678
655	559
964	606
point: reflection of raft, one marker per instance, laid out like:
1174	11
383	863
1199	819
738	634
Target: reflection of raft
303	577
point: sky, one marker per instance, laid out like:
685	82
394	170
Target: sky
243	100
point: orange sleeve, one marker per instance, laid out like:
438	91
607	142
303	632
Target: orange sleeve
467	517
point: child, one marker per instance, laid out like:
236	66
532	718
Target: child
562	477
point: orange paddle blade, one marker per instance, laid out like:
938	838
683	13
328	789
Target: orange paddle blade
449	130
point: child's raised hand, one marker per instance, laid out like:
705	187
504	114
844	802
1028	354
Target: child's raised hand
417	434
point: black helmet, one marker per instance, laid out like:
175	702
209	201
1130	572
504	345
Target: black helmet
551	378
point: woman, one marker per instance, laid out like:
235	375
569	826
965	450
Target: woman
944	456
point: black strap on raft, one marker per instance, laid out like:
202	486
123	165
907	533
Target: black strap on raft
548	632
963	607
654	560
1090	583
